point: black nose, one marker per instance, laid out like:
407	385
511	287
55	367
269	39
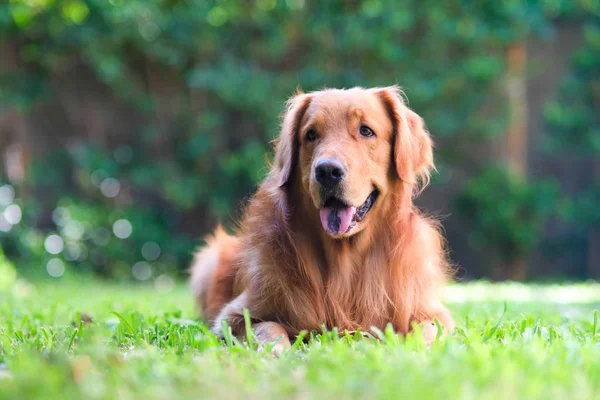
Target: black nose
330	172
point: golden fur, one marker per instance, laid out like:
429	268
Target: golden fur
292	275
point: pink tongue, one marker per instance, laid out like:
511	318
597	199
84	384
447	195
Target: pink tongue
336	221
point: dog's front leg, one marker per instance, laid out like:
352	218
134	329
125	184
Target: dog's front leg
265	331
272	332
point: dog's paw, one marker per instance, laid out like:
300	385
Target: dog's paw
430	331
279	347
272	332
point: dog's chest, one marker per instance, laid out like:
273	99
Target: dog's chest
348	306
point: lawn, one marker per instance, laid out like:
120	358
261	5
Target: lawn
512	341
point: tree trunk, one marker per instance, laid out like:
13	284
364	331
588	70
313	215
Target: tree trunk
517	269
594	233
508	269
515	154
499	271
15	154
516	91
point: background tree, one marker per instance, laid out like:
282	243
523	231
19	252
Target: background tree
574	122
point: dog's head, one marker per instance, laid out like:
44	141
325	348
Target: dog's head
350	149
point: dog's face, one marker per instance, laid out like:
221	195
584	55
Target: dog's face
349	149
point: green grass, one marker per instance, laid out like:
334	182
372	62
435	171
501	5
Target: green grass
145	344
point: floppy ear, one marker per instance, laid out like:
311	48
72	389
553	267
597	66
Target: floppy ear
286	148
413	147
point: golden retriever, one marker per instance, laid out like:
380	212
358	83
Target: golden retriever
331	238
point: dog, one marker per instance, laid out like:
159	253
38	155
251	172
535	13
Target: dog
331	238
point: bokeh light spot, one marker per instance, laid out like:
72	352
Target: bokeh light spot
164	284
73	251
151	251
142	271
61	215
55	268
13	214
122	229
110	187
54	244
74	230
7	195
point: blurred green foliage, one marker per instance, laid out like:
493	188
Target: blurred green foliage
573	117
242	60
574	123
507	214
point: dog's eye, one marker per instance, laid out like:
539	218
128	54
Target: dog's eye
366	131
311	135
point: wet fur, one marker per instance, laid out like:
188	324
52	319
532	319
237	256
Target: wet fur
292	276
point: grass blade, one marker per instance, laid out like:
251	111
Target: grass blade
299	340
249	330
493	331
73	336
227	334
126	323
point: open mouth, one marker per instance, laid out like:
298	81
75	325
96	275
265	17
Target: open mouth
338	218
